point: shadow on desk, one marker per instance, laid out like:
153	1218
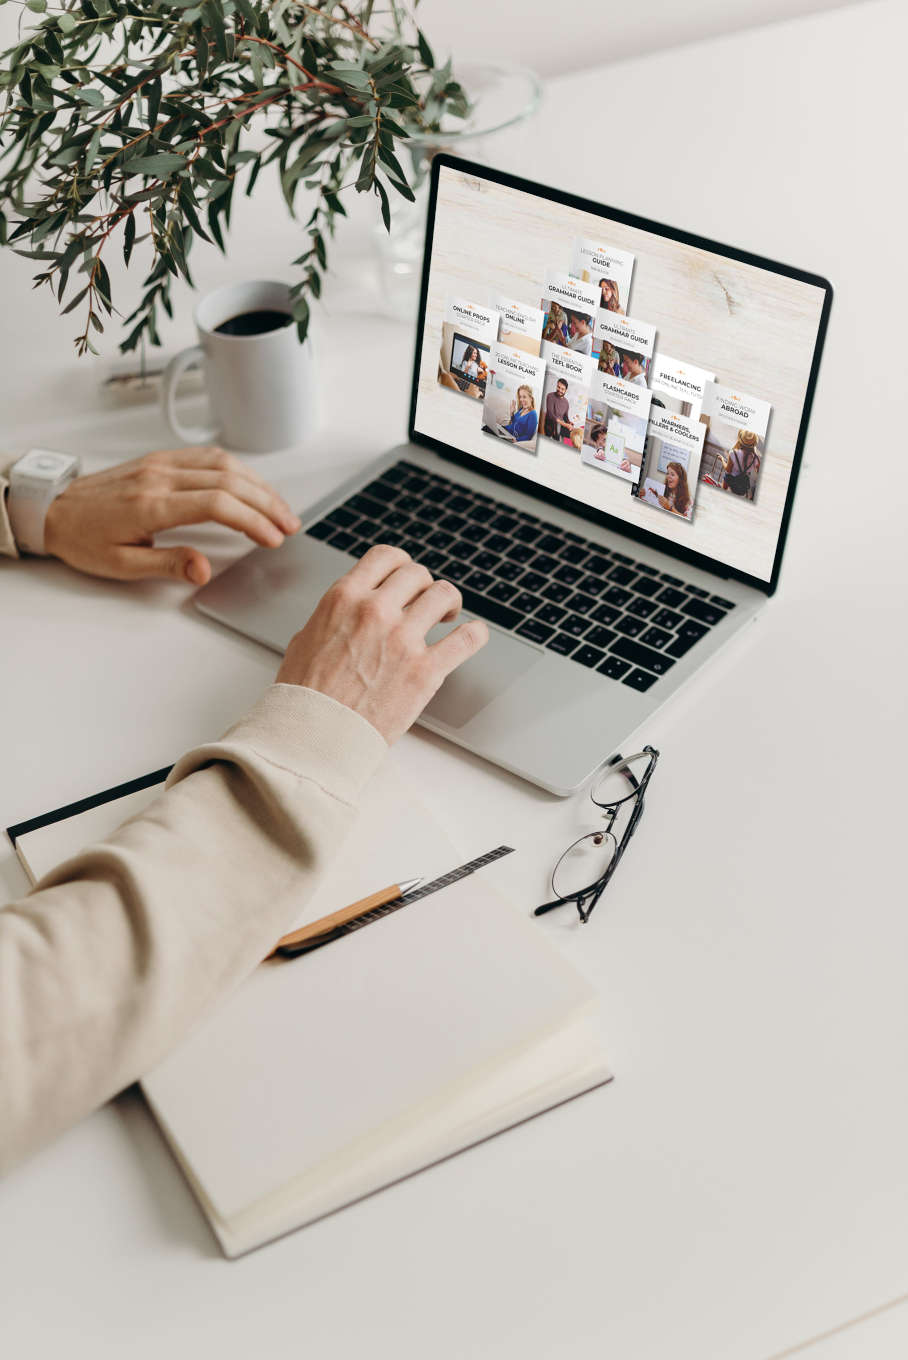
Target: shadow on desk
170	1199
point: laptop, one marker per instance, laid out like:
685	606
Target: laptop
612	495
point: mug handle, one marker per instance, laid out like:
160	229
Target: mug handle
189	434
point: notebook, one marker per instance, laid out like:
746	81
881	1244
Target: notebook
325	1078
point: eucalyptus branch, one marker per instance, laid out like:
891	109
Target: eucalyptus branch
117	110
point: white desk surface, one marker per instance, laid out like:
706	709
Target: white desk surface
741	1187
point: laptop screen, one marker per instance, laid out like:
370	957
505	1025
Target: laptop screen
637	371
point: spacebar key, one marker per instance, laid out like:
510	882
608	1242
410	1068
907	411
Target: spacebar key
490	609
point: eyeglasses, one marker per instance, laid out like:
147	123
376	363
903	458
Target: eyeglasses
583	872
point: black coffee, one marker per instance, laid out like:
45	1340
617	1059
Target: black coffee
254	323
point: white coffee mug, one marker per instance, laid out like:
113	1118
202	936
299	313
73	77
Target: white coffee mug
261	387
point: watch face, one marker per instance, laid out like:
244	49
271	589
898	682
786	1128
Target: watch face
46	464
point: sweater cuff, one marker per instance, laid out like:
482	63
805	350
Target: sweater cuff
7	542
306	733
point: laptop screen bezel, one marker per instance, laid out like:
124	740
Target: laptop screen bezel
545	494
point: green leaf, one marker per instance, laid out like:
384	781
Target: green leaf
425	50
66	22
161	164
153	95
36	6
385	205
93	97
93	148
129	237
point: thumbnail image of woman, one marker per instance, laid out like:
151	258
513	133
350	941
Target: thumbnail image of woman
609	298
742	465
471	363
609	359
677	492
522	425
556	323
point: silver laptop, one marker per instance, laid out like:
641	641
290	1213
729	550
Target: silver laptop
606	426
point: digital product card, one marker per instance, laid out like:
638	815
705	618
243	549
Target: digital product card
569	306
467	334
736	427
520	325
510	410
680	386
622	347
673	449
614	435
609	269
565	394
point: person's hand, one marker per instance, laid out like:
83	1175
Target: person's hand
365	644
105	524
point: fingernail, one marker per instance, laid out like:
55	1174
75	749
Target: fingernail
293	522
194	572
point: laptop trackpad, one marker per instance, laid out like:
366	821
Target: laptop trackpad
483	678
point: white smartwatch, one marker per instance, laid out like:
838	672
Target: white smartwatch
34	482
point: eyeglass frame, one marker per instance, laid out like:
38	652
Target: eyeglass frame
610	810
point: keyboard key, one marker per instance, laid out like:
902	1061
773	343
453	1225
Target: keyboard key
525	603
642	608
695	590
563	644
485	560
640	680
410	504
520	552
723	604
704	611
505	524
453	522
600	636
533	581
622	576
502	590
574	553
587	655
380	490
556	591
481	512
498	543
645	585
597	564
535	631
342	539
629	625
575	624
672	597
550	543
493	610
507	570
614	667
606	613
633	651
688	634
431	559
475	533
617	595
672	580
551	613
479	580
365	505
342	517
570	575
667	618
393	519
320	530
460	504
440	539
593	585
620	557
649	571
527	533
656	637
580	603
544	563
399	472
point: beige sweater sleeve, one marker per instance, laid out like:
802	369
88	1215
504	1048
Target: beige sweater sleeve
7	542
118	951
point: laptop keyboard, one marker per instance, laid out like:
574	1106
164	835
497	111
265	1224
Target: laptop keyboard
564	592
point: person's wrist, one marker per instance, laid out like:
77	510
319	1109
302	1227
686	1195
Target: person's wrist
53	526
